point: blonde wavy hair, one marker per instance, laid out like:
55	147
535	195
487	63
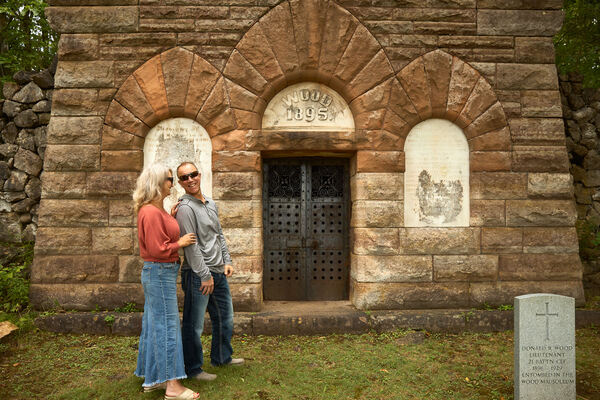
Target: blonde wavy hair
148	185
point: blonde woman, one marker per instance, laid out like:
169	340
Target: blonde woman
160	354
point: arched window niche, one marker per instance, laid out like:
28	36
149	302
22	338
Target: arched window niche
175	140
436	178
308	106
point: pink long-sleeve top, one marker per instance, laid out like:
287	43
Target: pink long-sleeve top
158	234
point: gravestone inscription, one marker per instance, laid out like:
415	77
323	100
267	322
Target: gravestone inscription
175	140
544	347
436	180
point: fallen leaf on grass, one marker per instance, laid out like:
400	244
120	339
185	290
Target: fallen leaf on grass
385	370
6	327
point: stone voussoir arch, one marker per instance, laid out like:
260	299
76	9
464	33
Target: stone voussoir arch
175	83
316	41
439	85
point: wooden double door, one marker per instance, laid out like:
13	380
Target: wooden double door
305	220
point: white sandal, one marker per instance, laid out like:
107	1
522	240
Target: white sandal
187	394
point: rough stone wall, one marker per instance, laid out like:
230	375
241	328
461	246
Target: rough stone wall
581	108
117	77
24	115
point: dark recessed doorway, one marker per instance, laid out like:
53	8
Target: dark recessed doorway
305	220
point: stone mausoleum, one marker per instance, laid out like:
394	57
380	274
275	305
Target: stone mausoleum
399	154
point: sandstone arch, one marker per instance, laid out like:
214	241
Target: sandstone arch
439	85
326	44
175	83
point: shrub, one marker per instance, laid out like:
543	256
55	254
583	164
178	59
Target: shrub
14	277
589	239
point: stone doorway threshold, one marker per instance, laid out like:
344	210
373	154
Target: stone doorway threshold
311	318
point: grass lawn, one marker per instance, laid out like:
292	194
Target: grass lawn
396	365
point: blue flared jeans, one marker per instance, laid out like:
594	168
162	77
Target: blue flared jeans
220	310
160	352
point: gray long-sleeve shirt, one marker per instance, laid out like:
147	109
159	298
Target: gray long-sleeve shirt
210	252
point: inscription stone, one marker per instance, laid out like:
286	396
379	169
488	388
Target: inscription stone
175	140
544	347
436	181
308	106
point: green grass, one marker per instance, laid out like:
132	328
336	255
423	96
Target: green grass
36	364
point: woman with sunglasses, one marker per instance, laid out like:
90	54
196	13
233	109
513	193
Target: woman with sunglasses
160	351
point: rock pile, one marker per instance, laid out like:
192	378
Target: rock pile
25	113
581	111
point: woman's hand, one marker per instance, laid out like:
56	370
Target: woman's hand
174	209
186	240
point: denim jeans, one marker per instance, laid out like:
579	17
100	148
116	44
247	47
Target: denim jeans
160	352
220	310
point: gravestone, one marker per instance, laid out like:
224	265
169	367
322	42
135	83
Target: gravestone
175	140
544	347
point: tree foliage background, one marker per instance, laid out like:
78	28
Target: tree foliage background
578	43
26	40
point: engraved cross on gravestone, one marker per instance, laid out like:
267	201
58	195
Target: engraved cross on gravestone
544	347
547	315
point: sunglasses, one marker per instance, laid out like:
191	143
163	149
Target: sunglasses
185	177
170	179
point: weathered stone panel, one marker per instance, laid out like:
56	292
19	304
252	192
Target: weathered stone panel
539	267
501	240
75	269
550	240
519	22
112	240
487	213
550	186
377	186
236	185
240	213
81	74
501	293
74	130
246	241
540	213
377	214
72	158
386	296
470	268
93	19
375	241
439	240
498	185
391	268
55	240
73	213
85	296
